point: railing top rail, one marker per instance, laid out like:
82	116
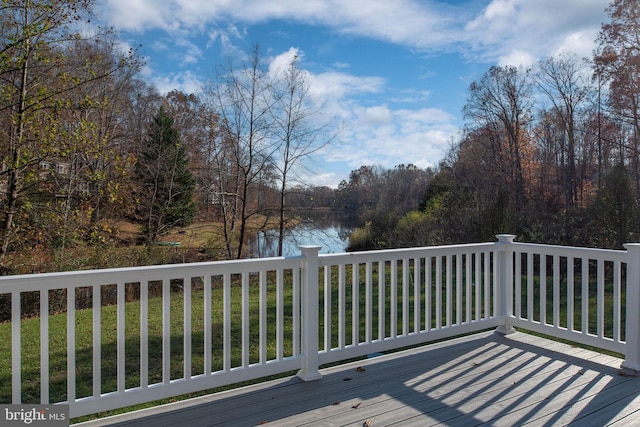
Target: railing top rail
41	281
30	282
593	253
403	253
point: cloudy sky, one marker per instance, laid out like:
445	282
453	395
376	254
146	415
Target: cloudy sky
393	72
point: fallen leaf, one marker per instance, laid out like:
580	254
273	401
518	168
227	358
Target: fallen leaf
357	405
360	369
263	422
337	402
368	423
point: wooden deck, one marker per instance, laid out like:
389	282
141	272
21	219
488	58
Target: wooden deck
483	379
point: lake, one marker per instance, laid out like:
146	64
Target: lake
329	232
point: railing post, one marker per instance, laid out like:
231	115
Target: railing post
504	272
310	315
631	364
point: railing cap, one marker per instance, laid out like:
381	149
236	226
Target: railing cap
632	246
505	238
309	249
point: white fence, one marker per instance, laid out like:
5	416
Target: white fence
141	334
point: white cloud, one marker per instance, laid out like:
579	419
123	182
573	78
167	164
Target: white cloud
377	116
329	179
137	15
336	92
517	58
186	82
281	62
579	42
521	31
189	53
383	136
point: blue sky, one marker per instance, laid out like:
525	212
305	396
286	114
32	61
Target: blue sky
394	73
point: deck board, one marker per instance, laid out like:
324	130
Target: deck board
482	379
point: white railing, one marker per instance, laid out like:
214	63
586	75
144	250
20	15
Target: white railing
142	334
588	296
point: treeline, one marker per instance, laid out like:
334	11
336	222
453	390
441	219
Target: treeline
86	143
550	153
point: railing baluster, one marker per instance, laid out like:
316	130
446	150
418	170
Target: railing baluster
144	334
327	308
341	305
487	284
186	314
417	327
448	298
518	284
459	282
494	284
438	292
207	325
570	292
428	295
245	320
369	302
97	340
166	331
478	284
405	296
296	311
585	296
381	300
279	315
543	289
16	349
393	282
617	267
355	304
226	335
71	344
530	276
121	354
600	297
469	291
556	291
263	316
44	347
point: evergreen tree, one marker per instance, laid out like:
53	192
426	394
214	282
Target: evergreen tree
166	185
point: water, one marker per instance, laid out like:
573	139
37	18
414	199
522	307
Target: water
331	234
